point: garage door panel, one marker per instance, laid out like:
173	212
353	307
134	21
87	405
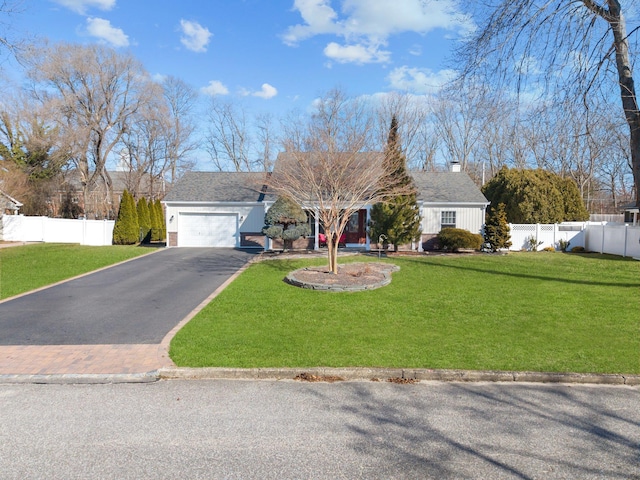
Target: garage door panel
207	230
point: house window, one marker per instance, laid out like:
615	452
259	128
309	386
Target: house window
448	219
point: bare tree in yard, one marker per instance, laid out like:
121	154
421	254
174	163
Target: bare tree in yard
328	165
94	93
578	49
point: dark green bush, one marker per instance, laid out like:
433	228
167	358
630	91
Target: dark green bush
578	249
457	238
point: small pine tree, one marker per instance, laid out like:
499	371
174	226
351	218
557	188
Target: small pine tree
126	229
496	230
397	221
286	220
144	220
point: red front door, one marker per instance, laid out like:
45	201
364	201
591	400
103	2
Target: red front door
356	231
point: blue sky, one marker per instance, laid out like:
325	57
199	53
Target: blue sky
271	55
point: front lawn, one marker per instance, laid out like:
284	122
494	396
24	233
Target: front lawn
29	267
524	311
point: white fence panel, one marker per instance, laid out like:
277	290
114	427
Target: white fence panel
614	239
18	228
548	235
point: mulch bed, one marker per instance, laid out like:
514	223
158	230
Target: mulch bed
369	274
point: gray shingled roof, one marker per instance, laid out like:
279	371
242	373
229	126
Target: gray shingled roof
433	187
218	187
452	187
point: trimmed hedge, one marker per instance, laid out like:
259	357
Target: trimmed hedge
457	238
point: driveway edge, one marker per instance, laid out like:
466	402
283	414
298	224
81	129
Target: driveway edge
385	374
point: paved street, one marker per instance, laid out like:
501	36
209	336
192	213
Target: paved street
137	302
268	430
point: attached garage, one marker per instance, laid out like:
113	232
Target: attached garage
217	209
207	230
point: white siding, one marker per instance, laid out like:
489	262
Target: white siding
468	217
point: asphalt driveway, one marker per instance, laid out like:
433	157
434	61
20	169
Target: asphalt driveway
137	302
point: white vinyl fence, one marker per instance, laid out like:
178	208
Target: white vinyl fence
18	228
616	239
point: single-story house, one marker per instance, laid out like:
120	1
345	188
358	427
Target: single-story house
227	209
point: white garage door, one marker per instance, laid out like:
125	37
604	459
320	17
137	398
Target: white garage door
207	230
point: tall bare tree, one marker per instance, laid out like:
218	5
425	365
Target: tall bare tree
145	146
329	165
92	92
181	100
8	40
228	138
415	127
579	49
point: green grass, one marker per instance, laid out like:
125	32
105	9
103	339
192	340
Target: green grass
525	311
29	267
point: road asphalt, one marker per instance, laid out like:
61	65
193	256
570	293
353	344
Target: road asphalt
230	429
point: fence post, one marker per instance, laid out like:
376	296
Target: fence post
602	240
626	234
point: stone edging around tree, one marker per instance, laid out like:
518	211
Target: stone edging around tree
351	277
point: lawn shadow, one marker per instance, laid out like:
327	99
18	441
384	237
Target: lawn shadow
427	261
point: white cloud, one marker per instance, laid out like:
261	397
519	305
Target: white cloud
267	91
419	80
214	88
195	36
81	6
369	23
359	54
102	29
159	77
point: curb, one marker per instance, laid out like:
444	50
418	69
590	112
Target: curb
327	375
377	374
81	379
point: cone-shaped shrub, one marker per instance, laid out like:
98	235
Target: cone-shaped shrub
155	228
496	230
161	219
126	230
144	220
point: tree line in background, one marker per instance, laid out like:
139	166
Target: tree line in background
87	108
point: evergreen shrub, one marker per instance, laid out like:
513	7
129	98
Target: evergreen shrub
456	238
126	230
